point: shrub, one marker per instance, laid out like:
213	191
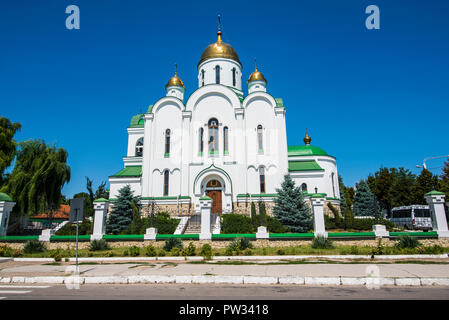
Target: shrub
190	250
84	228
354	250
236	223
108	254
206	251
56	254
229	251
126	253
90	254
161	253
367	224
134	251
321	242
161	220
241	244
150	251
171	243
33	246
248	252
16	253
405	241
99	245
5	251
175	251
280	251
380	249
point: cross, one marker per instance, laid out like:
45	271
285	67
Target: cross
219	23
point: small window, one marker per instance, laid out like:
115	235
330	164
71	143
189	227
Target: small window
167	142
217	74
139	148
166	177
262	179
202	77
225	140
333	183
213	135
259	137
304	187
201	142
233	77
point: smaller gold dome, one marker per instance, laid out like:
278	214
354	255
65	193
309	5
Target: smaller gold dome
175	81
256	76
307	139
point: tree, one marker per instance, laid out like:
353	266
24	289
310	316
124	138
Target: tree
7	145
381	184
290	208
402	188
365	201
122	213
38	177
444	182
425	182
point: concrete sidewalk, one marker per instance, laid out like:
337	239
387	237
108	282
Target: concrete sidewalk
170	272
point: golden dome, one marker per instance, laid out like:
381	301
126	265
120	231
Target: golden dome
256	76
307	139
175	81
219	49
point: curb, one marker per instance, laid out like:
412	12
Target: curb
189	279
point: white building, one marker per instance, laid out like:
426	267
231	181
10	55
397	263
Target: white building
218	142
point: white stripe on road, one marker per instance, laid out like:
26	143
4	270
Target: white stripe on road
25	287
14	291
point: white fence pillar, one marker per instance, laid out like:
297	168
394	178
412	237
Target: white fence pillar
205	207
435	199
6	205
101	207
319	228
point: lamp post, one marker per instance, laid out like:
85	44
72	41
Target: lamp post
424	166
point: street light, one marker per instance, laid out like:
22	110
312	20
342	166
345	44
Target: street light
425	159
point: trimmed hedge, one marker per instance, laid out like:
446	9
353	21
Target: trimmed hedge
236	223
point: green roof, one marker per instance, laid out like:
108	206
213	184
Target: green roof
150	108
137	121
101	200
5	197
308	165
279	102
306	150
435	193
130	171
317	195
205	198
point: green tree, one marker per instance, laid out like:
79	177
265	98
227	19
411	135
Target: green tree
253	214
101	192
122	213
39	174
444	180
365	201
290	208
7	145
381	184
402	189
425	182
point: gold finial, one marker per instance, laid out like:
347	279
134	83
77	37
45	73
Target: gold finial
255	64
307	139
219	29
176	69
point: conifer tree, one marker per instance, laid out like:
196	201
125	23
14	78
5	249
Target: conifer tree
122	212
425	182
365	203
290	208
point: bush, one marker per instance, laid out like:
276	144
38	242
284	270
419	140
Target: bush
236	223
56	254
321	242
171	243
108	254
240	244
280	251
33	246
248	252
161	220
367	224
380	249
134	251
150	251
5	251
84	228
190	250
206	251
405	241
175	251
161	253
99	245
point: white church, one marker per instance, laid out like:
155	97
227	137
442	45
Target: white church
219	142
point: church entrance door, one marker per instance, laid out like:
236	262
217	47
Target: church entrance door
214	190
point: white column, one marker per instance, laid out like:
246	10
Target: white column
6	205
101	210
435	199
185	152
205	207
318	215
146	174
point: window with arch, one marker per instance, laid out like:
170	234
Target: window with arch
262	179
217	74
225	140
260	137
304	187
166	177
213	135
202	77
233	77
167	142
200	141
139	147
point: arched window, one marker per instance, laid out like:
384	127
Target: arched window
202	77
200	142
233	77
167	142
213	135
304	187
139	147
262	179
217	74
166	176
225	140
259	137
333	183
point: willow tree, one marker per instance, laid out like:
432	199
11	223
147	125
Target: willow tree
7	144
37	179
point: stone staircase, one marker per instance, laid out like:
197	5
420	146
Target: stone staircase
194	224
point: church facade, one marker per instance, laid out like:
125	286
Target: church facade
218	142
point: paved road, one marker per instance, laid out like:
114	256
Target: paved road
218	292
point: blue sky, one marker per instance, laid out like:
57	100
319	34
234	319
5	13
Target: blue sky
370	98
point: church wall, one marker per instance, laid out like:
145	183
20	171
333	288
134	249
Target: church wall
134	134
226	66
115	184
